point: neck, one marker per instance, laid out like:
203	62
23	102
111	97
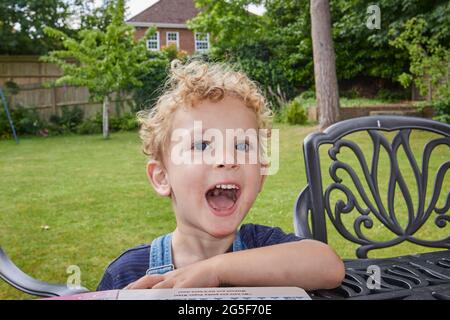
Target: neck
188	248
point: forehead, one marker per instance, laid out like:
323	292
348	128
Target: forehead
228	113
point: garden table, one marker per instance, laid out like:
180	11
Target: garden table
412	277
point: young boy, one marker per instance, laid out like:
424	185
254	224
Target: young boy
211	198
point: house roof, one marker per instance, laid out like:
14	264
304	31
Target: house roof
169	12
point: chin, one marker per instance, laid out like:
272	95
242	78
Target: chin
221	231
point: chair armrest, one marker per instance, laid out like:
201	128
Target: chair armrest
21	281
302	209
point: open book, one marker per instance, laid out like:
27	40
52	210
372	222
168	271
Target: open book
228	293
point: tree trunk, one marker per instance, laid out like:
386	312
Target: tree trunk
106	117
327	93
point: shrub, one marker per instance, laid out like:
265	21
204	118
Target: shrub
126	122
70	118
90	126
309	94
27	121
353	93
294	113
94	125
388	95
153	79
5	129
442	110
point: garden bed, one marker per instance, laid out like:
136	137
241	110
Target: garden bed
348	112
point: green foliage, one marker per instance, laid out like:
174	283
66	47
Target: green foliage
171	52
227	22
70	118
126	122
90	126
26	122
388	95
429	60
90	15
22	23
267	52
275	49
294	113
442	110
353	93
429	64
152	78
5	129
308	94
11	88
362	51
106	61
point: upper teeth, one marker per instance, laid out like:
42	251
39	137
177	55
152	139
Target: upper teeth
227	186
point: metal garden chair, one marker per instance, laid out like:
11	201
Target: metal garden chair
348	196
10	273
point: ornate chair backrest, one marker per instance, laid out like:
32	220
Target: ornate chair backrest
355	193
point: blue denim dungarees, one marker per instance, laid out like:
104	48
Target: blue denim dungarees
161	253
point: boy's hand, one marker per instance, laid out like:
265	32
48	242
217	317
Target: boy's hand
198	275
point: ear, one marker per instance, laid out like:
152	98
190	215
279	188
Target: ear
157	175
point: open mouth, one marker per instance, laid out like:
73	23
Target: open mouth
223	197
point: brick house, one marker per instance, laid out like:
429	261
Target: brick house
170	17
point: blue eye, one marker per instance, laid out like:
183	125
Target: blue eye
200	145
243	146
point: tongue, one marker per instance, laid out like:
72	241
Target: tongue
220	202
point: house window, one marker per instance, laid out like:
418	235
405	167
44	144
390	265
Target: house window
153	42
173	38
201	42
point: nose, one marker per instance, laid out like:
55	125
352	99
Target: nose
226	165
227	161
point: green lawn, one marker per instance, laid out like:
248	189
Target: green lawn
94	196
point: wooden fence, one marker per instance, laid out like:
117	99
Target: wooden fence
30	75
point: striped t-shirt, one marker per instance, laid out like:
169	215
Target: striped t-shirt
133	263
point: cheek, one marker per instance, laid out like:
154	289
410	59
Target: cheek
253	180
188	181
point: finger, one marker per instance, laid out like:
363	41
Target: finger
146	282
128	286
163	284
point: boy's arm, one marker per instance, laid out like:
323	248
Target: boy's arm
308	264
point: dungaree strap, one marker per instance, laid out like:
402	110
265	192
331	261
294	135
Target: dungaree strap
238	244
161	253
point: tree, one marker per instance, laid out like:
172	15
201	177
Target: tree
87	14
228	22
105	61
324	64
22	23
429	65
362	51
270	48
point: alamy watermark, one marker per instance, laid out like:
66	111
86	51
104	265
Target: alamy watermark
374	280
74	279
374	19
237	146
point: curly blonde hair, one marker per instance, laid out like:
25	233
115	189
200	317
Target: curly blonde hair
189	84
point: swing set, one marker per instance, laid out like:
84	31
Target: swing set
8	115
